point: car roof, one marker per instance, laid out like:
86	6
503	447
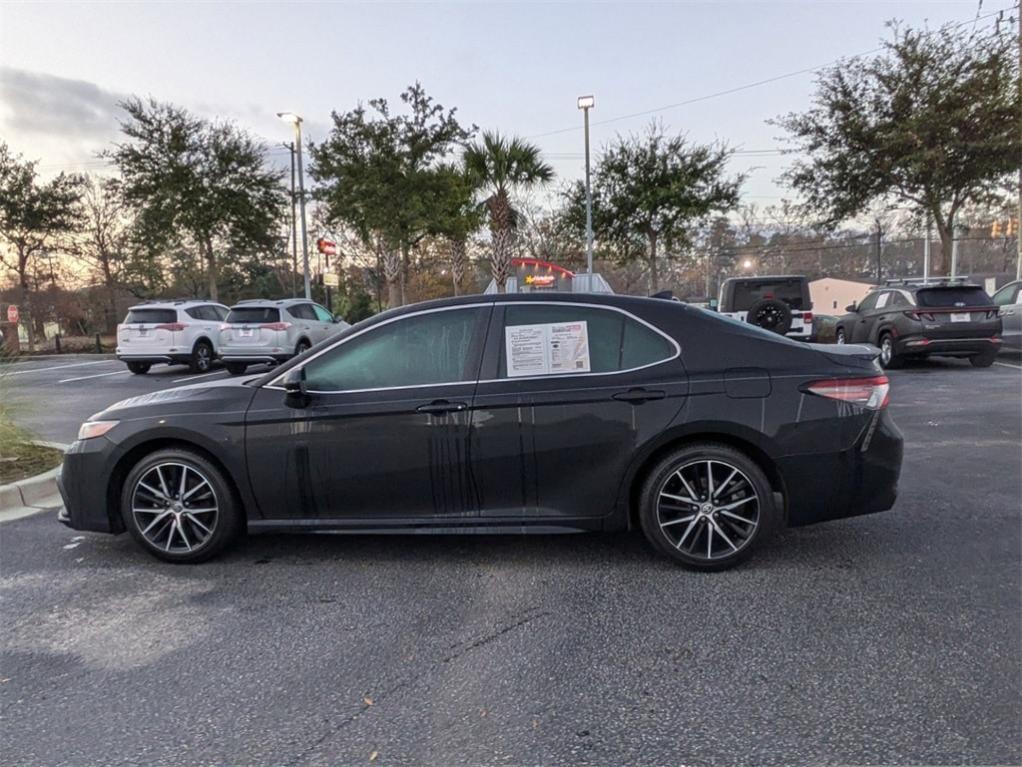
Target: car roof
174	303
270	302
763	277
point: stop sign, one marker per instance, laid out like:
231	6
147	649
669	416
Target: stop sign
12	313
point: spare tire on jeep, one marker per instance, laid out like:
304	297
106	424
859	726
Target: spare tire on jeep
770	314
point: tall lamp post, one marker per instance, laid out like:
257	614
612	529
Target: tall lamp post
290	146
295	120
585	103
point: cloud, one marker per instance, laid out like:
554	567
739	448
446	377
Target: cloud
39	105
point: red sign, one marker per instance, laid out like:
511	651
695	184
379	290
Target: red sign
326	247
12	313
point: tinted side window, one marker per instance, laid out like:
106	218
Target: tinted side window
1005	295
195	312
615	341
434	348
868	302
322	314
219	312
302	312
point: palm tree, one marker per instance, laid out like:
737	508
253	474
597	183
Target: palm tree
500	165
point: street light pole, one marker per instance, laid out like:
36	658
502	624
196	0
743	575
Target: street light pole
291	117
585	103
294	226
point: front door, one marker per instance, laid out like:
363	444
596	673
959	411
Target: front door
865	318
572	390
385	432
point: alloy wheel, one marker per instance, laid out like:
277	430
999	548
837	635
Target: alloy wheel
203	357
840	336
708	509
175	507
886	351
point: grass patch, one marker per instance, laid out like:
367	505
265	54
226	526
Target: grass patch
22	459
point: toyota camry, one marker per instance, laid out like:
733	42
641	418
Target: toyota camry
537	413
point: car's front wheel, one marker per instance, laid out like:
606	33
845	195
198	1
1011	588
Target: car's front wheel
839	337
179	506
707	506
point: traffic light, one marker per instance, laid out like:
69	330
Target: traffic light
995	229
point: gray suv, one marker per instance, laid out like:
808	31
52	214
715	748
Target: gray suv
260	331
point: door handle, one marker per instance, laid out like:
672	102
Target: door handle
442	406
639	395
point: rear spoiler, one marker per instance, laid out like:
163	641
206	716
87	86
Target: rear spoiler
853	355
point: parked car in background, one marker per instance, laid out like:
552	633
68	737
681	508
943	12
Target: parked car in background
1008	301
527	413
260	331
780	304
914	319
181	332
824	328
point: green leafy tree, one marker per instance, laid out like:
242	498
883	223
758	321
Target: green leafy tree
33	216
932	121
655	189
458	217
378	174
500	166
197	184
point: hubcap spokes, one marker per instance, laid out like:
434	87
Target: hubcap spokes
175	507
708	509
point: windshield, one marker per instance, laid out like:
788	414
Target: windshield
748	292
254	314
952	296
150	316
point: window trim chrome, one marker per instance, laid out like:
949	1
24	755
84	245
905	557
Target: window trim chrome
273	384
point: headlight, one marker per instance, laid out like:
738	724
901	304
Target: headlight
91	429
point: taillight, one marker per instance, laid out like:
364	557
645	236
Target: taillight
276	325
173	327
920	316
807	316
871	393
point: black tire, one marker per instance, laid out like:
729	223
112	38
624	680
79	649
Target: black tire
770	314
236	368
302	346
749	496
139	368
225	525
889	359
839	336
983	359
201	360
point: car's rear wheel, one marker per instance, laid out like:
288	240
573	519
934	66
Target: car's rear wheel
236	368
707	506
202	357
984	359
139	368
889	360
839	336
179	506
302	346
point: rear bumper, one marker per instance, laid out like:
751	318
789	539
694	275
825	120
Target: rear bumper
254	354
154	359
860	480
921	344
83	487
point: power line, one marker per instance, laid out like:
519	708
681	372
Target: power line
747	86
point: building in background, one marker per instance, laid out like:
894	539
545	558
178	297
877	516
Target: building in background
535	276
830	295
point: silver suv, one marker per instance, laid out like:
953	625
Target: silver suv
260	331
183	332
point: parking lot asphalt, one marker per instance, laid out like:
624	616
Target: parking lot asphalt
893	638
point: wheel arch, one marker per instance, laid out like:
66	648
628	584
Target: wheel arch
205	338
743	443
136	453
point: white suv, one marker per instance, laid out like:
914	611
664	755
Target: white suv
273	331
172	332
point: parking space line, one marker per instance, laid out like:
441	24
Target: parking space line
56	367
97	375
203	375
1008	365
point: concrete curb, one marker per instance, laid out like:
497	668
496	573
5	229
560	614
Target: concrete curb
18	359
30	496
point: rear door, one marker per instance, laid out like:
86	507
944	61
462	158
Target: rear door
324	322
957	312
252	326
148	330
566	394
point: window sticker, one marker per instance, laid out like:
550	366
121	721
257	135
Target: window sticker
548	349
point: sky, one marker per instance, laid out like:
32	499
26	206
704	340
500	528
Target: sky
517	67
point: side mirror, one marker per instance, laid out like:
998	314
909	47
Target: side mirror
714	305
295	394
851	307
338	318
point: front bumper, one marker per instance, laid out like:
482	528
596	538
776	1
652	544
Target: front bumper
862	479
83	485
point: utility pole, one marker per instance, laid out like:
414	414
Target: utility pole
294	227
1018	212
926	254
879	253
585	103
295	120
954	252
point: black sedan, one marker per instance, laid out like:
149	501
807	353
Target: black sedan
504	414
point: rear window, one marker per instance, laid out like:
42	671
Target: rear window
254	314
791	292
150	316
952	297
